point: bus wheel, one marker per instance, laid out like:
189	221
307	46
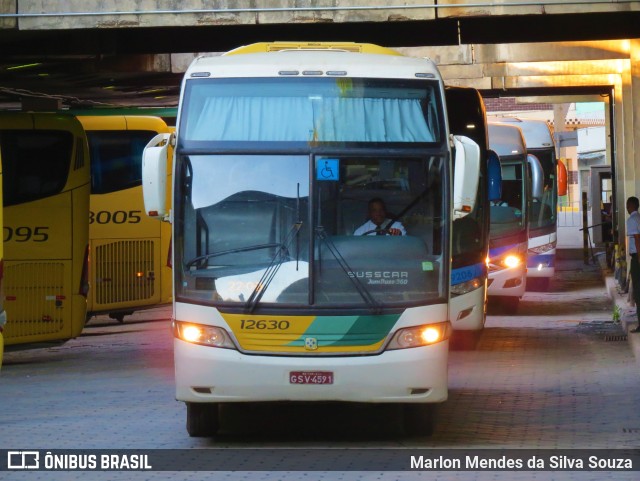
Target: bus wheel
119	316
202	419
419	419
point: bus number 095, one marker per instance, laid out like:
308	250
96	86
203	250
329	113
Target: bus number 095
26	233
117	217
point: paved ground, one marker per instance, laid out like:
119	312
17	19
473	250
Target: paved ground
558	375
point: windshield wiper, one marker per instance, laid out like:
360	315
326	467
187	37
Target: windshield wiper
278	258
256	247
409	206
362	290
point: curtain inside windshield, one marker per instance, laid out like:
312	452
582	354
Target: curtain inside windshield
310	110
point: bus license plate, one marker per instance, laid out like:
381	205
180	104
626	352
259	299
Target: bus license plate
311	377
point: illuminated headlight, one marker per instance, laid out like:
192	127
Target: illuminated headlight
468	286
420	336
200	334
511	261
543	248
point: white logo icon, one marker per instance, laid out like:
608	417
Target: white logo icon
23	459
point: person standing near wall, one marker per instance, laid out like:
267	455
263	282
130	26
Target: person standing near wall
633	234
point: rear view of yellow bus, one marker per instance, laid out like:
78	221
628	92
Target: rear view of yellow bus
129	266
46	211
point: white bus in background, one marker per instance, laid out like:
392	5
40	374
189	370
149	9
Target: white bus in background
278	150
470	235
541	258
509	212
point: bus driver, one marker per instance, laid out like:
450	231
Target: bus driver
378	224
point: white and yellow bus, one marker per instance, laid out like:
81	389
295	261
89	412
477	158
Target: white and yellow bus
277	155
129	264
46	216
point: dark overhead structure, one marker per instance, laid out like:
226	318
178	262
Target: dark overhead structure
132	66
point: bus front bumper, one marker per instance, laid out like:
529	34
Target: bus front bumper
467	311
541	265
209	374
508	282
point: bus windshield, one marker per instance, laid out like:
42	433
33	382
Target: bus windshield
508	213
310	110
275	238
543	211
116	159
36	164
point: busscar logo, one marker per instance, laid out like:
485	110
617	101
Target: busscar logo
23	460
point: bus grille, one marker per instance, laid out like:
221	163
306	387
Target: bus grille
123	271
35	300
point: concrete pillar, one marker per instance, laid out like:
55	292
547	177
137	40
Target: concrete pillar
633	179
626	115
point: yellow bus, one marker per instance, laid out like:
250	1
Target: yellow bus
46	231
129	267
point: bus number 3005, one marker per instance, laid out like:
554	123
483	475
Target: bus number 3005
25	234
117	217
264	324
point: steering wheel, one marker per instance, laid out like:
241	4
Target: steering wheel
377	231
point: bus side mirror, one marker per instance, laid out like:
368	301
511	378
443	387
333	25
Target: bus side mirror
154	176
537	177
562	178
494	174
466	176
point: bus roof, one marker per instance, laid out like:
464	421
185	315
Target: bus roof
506	139
20	120
344	46
312	63
537	133
123	122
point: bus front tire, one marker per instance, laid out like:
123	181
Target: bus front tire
202	419
419	419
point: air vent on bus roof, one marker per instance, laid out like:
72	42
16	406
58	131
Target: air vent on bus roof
341	48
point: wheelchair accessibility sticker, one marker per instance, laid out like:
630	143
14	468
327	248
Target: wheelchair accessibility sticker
328	169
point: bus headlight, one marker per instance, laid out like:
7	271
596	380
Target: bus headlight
511	261
543	248
420	336
468	286
200	334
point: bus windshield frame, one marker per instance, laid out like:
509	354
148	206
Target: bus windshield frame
542	216
316	192
509	214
